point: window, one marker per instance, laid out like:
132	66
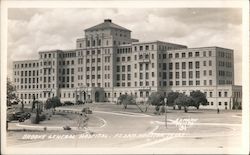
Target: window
123	68
197	54
190	74
204	53
170	75
128	58
210	72
219	94
141	66
183	75
117	68
176	55
190	54
205	82
210	53
170	66
210	63
177	75
210	94
204	72
197	64
197	74
190	83
141	76
183	55
184	83
177	83
225	94
177	65
197	83
190	65
183	65
204	63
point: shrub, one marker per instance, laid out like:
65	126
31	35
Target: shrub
162	109
68	103
89	101
35	119
42	117
87	110
156	113
66	127
53	103
157	108
79	102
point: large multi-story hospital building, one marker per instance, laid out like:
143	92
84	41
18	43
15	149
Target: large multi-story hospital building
107	62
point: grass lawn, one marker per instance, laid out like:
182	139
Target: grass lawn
63	119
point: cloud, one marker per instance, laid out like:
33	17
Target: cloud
31	29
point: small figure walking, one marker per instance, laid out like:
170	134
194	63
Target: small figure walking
218	110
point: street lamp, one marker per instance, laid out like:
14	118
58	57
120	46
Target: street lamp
165	100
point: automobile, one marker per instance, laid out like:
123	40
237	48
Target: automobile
87	110
80	102
21	116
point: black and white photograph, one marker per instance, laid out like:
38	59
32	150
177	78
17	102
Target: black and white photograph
117	79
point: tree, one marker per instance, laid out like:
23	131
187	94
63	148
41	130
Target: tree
126	99
11	92
199	98
184	101
53	103
156	98
172	96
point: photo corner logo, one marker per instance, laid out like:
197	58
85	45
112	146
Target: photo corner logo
184	123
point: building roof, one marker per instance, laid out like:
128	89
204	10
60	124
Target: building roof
107	24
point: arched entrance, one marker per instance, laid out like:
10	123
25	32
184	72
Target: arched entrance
97	96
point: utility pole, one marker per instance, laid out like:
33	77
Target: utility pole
166	123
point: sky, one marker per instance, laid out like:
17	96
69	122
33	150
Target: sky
31	30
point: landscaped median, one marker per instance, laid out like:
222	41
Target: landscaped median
61	120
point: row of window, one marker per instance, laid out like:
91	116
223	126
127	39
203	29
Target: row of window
224	54
225	64
189	54
225	73
64	79
63	63
163	83
94	52
124	50
26	65
66	71
35	86
223	82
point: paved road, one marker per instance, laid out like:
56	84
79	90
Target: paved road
134	130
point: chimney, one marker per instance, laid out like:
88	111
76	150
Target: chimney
108	20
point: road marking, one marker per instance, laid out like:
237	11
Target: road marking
154	142
104	122
123	114
205	124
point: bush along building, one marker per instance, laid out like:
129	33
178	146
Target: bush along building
107	62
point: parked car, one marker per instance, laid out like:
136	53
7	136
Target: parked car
68	103
21	116
80	102
87	110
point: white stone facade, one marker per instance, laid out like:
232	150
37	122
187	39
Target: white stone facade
107	62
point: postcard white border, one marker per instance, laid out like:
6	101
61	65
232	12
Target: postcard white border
244	4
